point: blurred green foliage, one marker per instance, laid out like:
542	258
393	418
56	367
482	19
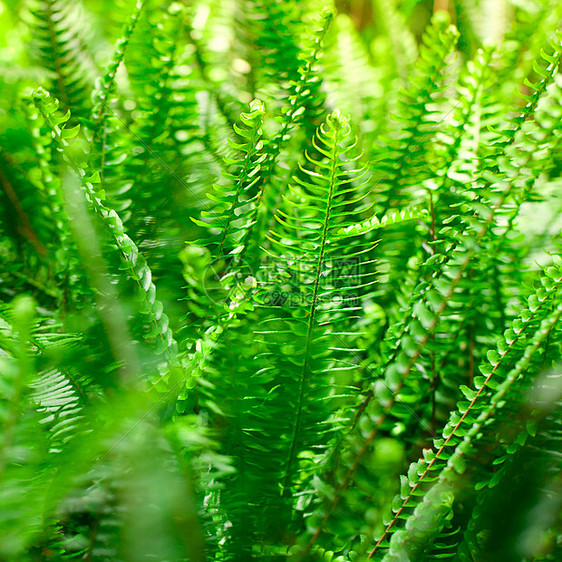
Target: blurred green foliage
280	280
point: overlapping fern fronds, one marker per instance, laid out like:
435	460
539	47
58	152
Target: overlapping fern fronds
241	324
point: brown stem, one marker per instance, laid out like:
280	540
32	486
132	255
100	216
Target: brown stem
470	355
26	229
440	5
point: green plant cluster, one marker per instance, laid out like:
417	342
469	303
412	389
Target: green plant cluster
276	285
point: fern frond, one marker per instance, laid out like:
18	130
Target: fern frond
58	41
132	259
405	154
309	249
104	88
303	107
234	210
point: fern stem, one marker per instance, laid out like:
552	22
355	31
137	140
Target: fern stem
312	311
27	229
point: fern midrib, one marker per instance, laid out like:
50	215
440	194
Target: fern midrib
312	314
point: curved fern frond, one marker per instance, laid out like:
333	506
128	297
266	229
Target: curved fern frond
234	206
104	88
132	259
